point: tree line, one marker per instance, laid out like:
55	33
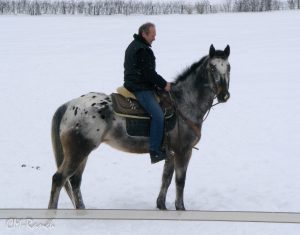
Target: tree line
112	7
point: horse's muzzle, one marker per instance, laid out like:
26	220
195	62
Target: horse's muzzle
224	94
223	97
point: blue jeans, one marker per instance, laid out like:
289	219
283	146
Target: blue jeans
149	103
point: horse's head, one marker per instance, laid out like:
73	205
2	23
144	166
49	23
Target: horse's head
218	69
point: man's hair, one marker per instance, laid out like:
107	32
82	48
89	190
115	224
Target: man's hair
145	28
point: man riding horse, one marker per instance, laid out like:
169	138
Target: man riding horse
141	79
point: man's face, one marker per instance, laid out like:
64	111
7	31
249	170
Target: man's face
150	36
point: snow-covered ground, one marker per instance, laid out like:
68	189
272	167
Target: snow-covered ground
249	152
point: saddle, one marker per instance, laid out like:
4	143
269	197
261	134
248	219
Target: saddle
125	104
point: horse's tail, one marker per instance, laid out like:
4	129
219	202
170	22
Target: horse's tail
57	146
56	143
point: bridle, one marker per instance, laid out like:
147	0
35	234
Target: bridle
214	89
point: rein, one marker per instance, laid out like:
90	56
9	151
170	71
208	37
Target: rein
194	126
207	113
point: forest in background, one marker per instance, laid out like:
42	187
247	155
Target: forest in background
113	7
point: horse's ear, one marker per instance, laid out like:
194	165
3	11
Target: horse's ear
227	51
212	51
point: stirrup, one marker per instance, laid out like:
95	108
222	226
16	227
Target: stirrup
157	156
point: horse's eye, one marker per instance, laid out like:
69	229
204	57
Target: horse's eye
213	67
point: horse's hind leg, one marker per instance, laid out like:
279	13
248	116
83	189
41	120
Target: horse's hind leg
76	149
59	179
166	181
75	181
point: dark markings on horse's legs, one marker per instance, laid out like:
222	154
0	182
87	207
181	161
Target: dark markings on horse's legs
181	164
58	180
166	181
56	187
75	181
180	183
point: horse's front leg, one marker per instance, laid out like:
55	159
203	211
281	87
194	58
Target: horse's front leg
166	181
181	164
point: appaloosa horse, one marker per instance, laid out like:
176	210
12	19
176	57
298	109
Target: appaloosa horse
82	124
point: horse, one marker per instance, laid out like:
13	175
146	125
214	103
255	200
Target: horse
82	124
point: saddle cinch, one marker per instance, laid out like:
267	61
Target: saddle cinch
124	104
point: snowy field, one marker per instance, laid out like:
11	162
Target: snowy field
249	152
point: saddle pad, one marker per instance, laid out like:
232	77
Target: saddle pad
128	106
138	127
141	127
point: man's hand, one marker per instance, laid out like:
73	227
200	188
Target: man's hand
168	87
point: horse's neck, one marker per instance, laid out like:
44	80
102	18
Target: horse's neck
193	101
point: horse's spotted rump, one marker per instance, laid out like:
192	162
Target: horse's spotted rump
89	110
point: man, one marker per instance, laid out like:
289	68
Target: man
141	78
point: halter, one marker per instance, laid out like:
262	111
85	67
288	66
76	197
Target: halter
214	89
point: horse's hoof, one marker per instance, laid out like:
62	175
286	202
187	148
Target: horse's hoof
180	207
160	205
162	208
81	207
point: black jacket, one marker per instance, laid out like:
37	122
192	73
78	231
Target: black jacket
139	67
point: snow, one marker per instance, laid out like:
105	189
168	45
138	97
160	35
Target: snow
249	152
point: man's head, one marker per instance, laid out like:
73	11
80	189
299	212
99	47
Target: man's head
148	32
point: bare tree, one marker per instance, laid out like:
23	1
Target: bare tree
202	7
227	6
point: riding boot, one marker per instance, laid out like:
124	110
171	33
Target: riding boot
157	156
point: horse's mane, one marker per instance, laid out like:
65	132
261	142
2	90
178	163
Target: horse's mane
190	70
